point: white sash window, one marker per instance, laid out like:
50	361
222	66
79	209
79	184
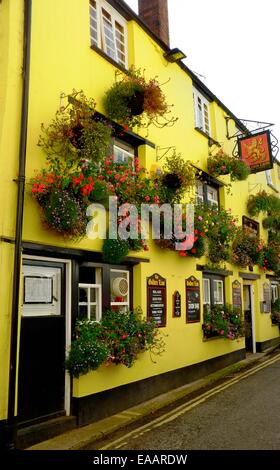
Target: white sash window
202	112
108	31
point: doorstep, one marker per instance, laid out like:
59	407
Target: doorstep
31	435
81	437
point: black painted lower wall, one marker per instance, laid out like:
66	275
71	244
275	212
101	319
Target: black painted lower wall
260	347
100	405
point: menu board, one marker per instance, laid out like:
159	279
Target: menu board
38	290
156	297
192	300
176	304
236	295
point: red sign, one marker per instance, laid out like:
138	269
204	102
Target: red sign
255	151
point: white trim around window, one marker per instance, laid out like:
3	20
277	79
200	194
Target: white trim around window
206	291
123	154
108	31
92	300
274	292
202	112
218	287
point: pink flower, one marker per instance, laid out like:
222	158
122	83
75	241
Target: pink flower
200	218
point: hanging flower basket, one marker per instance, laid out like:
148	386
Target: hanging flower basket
134	101
224	164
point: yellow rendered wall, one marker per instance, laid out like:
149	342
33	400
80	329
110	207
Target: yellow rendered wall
61	60
11	40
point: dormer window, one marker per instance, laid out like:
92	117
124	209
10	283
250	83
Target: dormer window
202	112
108	31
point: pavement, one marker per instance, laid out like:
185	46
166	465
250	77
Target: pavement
85	436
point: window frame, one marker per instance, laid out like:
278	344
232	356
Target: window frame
206	280
102	39
205	186
274	287
269	178
199	114
126	149
97	303
212	278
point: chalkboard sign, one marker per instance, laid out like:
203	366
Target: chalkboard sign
156	297
236	295
176	304
192	300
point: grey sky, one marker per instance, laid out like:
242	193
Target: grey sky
235	45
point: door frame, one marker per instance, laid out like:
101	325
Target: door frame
68	302
250	284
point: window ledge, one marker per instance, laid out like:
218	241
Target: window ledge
220	272
108	58
273	187
203	133
213	338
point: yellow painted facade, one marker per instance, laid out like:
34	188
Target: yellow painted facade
62	60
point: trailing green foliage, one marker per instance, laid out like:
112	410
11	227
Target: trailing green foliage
263	202
224	164
134	101
114	251
87	352
223	321
118	339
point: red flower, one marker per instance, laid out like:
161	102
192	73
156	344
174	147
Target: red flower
193	250
182	253
78	180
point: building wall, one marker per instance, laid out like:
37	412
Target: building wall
62	60
11	42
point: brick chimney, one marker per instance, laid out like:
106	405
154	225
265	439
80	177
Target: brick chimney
155	14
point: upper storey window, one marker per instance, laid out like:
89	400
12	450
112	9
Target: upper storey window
202	112
108	31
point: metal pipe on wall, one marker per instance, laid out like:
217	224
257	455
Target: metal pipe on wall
10	429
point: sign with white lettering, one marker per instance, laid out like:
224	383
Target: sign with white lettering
156	299
192	300
176	304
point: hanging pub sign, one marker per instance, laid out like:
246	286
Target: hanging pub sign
156	299
192	300
176	304
236	295
256	152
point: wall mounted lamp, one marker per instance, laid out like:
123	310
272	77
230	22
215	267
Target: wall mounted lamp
174	55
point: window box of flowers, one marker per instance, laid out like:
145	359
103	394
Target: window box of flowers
222	321
118	339
224	164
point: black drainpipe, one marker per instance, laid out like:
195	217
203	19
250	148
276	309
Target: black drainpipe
11	423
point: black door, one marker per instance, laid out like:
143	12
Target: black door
248	318
41	386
